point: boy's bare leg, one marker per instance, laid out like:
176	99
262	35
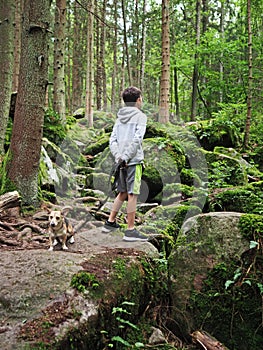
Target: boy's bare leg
117	204
131	210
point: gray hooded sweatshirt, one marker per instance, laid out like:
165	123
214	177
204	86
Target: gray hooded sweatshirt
127	135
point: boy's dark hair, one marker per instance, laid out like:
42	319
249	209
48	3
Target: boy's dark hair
131	95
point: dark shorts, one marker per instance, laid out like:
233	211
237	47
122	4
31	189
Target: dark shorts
130	179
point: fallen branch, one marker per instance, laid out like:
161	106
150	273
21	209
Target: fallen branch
207	341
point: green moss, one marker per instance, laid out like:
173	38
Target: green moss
54	128
251	226
247	199
98	146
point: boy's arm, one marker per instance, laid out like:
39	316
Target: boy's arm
114	145
135	144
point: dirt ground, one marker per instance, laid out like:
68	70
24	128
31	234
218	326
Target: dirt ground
35	283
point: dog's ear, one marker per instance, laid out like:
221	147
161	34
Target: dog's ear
48	210
65	210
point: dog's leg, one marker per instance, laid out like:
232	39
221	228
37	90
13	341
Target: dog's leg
72	240
55	242
50	244
64	239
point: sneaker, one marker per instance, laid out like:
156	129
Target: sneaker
134	235
110	226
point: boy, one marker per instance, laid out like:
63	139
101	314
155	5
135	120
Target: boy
126	148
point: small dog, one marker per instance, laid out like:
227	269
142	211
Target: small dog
59	229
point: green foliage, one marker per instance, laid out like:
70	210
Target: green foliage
54	128
232	291
6	185
119	266
155	278
8	133
227	295
251	226
121	313
246	199
224	173
82	281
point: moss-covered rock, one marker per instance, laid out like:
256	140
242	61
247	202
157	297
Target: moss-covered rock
216	132
246	199
211	284
226	168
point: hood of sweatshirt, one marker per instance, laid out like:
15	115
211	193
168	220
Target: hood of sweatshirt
126	113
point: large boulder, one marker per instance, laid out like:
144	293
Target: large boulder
208	280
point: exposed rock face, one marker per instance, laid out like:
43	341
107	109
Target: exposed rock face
36	283
205	241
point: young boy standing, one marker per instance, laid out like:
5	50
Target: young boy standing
126	147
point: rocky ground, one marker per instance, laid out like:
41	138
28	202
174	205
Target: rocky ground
35	282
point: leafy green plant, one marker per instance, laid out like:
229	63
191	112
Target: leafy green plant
121	313
84	280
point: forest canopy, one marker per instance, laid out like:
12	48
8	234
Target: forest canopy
193	60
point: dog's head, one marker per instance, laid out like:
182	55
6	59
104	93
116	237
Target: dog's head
55	218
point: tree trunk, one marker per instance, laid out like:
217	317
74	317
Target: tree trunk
250	76
176	95
222	34
23	166
7	17
89	73
196	69
104	76
165	75
143	47
125	41
17	47
59	60
78	57
115	67
101	92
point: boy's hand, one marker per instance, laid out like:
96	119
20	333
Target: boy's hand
121	163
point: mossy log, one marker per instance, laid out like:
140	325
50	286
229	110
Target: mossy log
206	341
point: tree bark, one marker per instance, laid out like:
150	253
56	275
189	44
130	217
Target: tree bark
78	57
115	67
222	34
125	42
17	47
89	72
7	17
143	47
100	80
23	166
59	60
196	69
250	76
165	75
